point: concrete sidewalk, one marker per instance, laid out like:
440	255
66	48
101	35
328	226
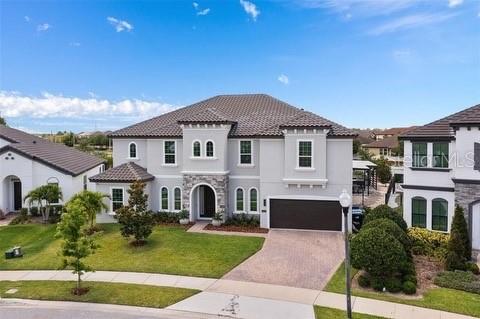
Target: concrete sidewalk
213	289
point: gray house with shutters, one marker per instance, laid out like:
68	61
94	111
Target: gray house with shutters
248	153
442	169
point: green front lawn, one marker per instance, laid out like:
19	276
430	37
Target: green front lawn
170	250
330	313
100	292
437	298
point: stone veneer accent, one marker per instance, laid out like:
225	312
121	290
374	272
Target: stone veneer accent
218	182
466	194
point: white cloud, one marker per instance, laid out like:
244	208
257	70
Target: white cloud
250	8
195	5
43	27
283	79
203	12
27	18
361	7
74	44
409	22
14	104
120	25
454	3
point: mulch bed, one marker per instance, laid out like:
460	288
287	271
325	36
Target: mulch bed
241	229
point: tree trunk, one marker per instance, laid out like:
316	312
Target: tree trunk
47	213
78	276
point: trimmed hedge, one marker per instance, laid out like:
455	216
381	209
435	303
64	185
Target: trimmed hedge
390	227
364	281
377	252
429	243
243	220
409	288
385	211
393	285
165	217
459	280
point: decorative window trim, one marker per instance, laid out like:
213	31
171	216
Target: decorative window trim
193	148
250	200
165	154
129	151
305	168
206	149
174	198
236	200
161	198
252	157
112	212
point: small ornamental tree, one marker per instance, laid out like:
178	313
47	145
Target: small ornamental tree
385	211
76	245
459	249
93	204
383	170
391	228
44	196
135	218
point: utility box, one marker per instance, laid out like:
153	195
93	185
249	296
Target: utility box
15	252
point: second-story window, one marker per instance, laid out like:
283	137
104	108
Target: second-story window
245	152
419	152
209	149
132	150
196	149
305	154
440	155
169	150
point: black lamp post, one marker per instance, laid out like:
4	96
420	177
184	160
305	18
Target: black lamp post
346	200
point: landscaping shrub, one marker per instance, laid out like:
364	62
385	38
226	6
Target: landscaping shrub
459	250
459	280
2	214
377	283
407	267
165	217
428	243
472	267
409	288
22	218
410	278
377	252
243	220
393	285
364	281
385	211
390	227
34	211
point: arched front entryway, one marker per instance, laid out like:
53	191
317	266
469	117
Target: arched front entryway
12	194
203	202
475	224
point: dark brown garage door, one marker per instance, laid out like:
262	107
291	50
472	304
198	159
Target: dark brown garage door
305	214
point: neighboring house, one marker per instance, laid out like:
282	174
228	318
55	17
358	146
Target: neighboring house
390	132
386	145
28	161
442	168
235	154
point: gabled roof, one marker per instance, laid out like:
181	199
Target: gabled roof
388	142
252	115
394	130
60	157
125	173
443	128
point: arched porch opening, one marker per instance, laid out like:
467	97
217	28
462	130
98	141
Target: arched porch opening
12	194
203	202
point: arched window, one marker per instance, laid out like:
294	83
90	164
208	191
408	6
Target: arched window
253	200
196	149
177	194
164	198
85	182
132	150
439	214
209	149
239	200
419	212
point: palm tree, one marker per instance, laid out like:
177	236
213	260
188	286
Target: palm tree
44	196
93	204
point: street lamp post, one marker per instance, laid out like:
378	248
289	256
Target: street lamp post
345	202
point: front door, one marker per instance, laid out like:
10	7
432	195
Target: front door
17	195
207	208
475	226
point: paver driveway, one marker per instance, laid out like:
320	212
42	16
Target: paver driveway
295	258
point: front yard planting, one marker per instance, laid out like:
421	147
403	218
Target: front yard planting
100	292
170	250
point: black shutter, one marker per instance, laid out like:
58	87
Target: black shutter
476	156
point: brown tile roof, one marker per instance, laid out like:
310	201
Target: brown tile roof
394	130
443	128
124	173
253	115
60	157
388	142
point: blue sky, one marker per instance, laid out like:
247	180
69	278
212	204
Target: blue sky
77	65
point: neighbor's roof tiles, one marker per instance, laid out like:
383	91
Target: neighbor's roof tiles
125	173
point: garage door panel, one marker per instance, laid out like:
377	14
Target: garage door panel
305	214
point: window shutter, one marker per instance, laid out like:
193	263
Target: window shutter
476	156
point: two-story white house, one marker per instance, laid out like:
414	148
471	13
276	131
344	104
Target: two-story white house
442	169
246	153
28	161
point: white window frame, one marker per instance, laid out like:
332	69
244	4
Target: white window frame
243	200
165	154
193	146
181	201
161	199
312	167
214	153
112	212
240	154
250	201
136	150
